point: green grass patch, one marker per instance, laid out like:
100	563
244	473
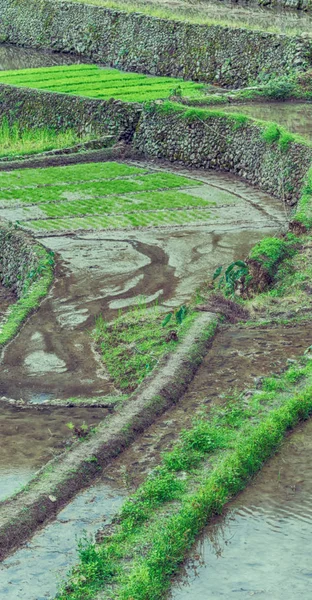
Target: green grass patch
35	288
68	174
218	456
132	345
120	204
17	141
95	82
89	189
122	221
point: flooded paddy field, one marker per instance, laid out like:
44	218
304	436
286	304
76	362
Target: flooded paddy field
31	436
110	256
262	545
295	117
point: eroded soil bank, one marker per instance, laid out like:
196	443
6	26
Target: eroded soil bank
238	357
262	545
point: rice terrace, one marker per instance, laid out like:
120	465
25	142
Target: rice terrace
155	299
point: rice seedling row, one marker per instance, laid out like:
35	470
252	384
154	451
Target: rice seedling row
66	175
128	220
91	81
87	190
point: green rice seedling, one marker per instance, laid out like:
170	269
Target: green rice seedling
15	140
69	174
121	221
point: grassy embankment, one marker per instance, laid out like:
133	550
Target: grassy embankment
15	141
211	463
35	288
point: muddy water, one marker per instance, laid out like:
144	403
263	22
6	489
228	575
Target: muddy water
262	546
235	360
297	118
30	437
13	57
36	570
104	271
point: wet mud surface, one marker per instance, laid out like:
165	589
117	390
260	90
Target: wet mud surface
36	571
235	361
30	437
236	358
101	272
262	545
297	118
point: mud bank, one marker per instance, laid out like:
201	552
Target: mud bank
262	545
236	361
138	42
72	471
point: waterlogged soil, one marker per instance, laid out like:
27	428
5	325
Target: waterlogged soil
296	118
101	272
262	545
31	436
36	571
236	360
13	57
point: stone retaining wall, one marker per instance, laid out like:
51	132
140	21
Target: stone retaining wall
18	258
35	108
223	142
138	42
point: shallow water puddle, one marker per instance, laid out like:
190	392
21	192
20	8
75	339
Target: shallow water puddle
30	437
262	546
36	570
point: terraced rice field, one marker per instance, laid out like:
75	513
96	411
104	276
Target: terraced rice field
96	82
100	196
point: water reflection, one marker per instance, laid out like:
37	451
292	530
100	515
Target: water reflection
14	57
262	546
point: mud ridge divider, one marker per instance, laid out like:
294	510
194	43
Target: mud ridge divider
64	476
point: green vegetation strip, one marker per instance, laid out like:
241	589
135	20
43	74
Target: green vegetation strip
24	178
15	141
36	286
159	523
132	344
94	82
